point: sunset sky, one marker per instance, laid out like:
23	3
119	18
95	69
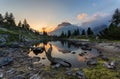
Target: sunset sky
50	13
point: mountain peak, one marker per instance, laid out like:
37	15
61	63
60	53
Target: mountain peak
64	24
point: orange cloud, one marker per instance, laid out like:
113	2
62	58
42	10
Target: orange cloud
82	16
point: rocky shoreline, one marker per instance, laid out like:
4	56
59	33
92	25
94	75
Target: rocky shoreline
19	65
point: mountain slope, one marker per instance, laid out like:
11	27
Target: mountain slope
64	27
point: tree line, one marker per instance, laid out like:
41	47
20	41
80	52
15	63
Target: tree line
113	31
77	32
8	20
22	28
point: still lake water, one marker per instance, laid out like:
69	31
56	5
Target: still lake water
66	51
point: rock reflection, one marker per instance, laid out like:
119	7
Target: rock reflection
56	61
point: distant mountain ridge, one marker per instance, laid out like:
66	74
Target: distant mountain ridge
97	23
64	27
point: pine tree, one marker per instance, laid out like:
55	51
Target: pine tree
44	32
11	19
83	32
113	31
89	31
25	24
77	32
69	33
116	17
1	19
20	24
62	34
6	17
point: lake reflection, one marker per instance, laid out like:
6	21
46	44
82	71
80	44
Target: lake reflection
65	50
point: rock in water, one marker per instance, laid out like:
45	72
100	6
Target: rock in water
56	65
6	61
38	50
35	59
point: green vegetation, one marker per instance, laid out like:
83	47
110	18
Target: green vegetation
101	72
14	32
113	31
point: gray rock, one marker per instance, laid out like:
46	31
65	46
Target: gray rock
6	61
11	71
92	61
69	73
1	75
35	76
3	44
110	65
14	45
35	59
56	65
2	39
105	58
73	52
2	53
19	77
80	75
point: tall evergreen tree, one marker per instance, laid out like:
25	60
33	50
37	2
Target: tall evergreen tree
44	32
83	32
11	19
20	24
25	24
6	17
89	31
69	33
116	17
63	35
78	32
1	19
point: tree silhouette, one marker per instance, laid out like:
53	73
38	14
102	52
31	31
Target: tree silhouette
113	31
69	33
89	31
1	19
116	17
20	24
44	32
83	32
11	19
